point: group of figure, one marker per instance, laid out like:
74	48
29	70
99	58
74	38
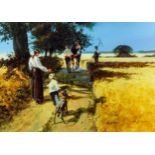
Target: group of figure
72	55
58	95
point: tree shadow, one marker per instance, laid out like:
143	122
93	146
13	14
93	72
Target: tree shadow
74	97
91	109
104	74
100	100
77	113
93	66
86	91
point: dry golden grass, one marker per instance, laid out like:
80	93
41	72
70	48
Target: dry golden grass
129	100
12	86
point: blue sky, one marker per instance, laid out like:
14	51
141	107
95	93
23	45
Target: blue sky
140	36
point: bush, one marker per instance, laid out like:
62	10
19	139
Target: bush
79	79
12	61
54	63
14	92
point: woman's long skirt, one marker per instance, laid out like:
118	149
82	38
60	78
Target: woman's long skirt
37	85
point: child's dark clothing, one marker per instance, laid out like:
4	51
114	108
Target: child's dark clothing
55	97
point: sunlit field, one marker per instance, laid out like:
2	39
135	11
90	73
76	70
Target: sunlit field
127	96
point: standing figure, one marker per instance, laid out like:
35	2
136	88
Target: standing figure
96	55
54	89
76	55
68	57
36	68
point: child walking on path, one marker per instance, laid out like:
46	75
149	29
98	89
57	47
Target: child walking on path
59	97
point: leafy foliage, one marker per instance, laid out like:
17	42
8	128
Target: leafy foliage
17	32
13	62
50	37
54	63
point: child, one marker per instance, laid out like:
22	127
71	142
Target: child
96	55
53	89
59	97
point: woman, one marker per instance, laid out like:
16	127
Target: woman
68	56
36	67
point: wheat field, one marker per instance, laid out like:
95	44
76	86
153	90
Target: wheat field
129	98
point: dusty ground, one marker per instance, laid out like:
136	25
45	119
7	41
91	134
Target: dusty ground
80	114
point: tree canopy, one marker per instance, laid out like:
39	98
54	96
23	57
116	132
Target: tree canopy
50	37
47	36
17	32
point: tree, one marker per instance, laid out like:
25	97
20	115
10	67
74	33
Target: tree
123	51
17	32
42	33
50	37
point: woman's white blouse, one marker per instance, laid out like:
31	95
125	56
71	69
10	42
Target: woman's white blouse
36	63
67	53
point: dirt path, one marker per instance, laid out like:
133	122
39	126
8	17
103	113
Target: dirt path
40	117
80	115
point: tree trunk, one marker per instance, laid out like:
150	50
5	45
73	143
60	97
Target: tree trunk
20	40
51	52
46	53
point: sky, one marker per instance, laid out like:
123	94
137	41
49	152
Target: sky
108	35
140	36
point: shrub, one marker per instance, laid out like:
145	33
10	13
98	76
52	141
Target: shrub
14	92
54	63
